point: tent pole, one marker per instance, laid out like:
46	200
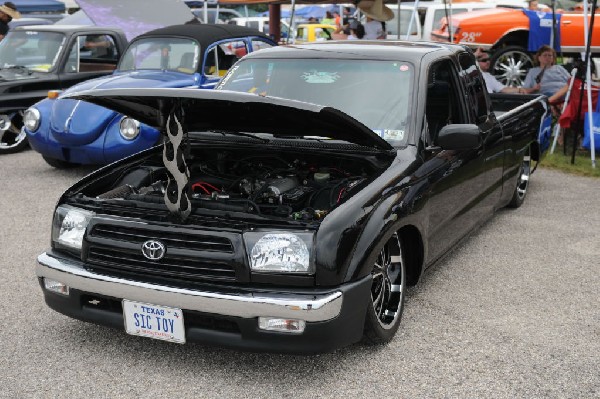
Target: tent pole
587	82
412	18
398	17
292	24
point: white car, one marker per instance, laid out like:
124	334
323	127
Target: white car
426	19
260	23
214	15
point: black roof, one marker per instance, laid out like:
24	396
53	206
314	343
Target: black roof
205	34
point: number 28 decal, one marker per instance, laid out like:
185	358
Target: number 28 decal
469	36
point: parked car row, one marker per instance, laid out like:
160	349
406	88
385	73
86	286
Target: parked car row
68	132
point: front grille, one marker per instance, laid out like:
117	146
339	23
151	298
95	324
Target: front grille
191	257
172	239
127	264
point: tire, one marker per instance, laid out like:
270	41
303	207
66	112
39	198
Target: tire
510	65
522	183
13	139
57	163
387	294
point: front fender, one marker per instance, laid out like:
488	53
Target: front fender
391	215
116	147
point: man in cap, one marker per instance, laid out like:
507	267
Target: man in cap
377	13
8	12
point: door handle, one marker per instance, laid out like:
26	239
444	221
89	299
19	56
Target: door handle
567	22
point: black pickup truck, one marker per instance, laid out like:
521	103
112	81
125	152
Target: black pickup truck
40	58
294	217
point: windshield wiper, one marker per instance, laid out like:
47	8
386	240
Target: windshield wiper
18	67
241	134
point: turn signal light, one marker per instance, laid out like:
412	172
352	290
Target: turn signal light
53	94
282	325
56	286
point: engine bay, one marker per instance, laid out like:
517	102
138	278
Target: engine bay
284	185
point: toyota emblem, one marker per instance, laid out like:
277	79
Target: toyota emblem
153	250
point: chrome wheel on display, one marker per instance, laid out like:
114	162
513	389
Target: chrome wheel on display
12	138
510	65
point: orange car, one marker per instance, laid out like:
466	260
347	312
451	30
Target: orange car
505	32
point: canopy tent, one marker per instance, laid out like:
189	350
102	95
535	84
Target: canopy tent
304	12
39	6
135	17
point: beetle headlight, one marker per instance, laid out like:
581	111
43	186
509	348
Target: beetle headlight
68	226
281	252
129	128
31	119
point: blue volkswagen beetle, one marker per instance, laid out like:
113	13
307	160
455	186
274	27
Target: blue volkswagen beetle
69	132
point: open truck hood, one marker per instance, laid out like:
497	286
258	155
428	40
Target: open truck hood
233	111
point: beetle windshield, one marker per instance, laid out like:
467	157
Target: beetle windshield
175	54
376	93
35	50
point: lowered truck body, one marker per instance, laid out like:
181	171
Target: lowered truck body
289	224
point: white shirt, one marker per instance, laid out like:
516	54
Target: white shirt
492	84
373	30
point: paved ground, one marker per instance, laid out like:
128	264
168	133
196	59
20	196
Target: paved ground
514	312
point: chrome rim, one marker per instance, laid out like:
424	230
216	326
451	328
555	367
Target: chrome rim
387	291
511	68
11	137
524	177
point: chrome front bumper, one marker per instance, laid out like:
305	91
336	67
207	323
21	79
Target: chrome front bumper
308	307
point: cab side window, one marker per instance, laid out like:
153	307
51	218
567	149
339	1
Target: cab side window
478	101
92	53
222	57
443	101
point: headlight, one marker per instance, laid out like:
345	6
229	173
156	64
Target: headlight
129	128
282	252
68	226
31	119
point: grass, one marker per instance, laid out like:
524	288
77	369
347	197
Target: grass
562	162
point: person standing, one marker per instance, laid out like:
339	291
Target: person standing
377	13
8	12
329	19
357	31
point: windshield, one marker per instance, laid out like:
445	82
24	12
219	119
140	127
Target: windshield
37	51
376	93
162	54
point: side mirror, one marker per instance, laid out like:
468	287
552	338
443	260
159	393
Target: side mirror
459	137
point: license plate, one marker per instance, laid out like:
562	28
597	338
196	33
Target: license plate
154	321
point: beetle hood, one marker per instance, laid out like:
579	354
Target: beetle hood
234	111
79	123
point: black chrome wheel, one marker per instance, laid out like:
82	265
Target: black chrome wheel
522	182
387	293
12	138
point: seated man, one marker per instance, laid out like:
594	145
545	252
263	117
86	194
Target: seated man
492	84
